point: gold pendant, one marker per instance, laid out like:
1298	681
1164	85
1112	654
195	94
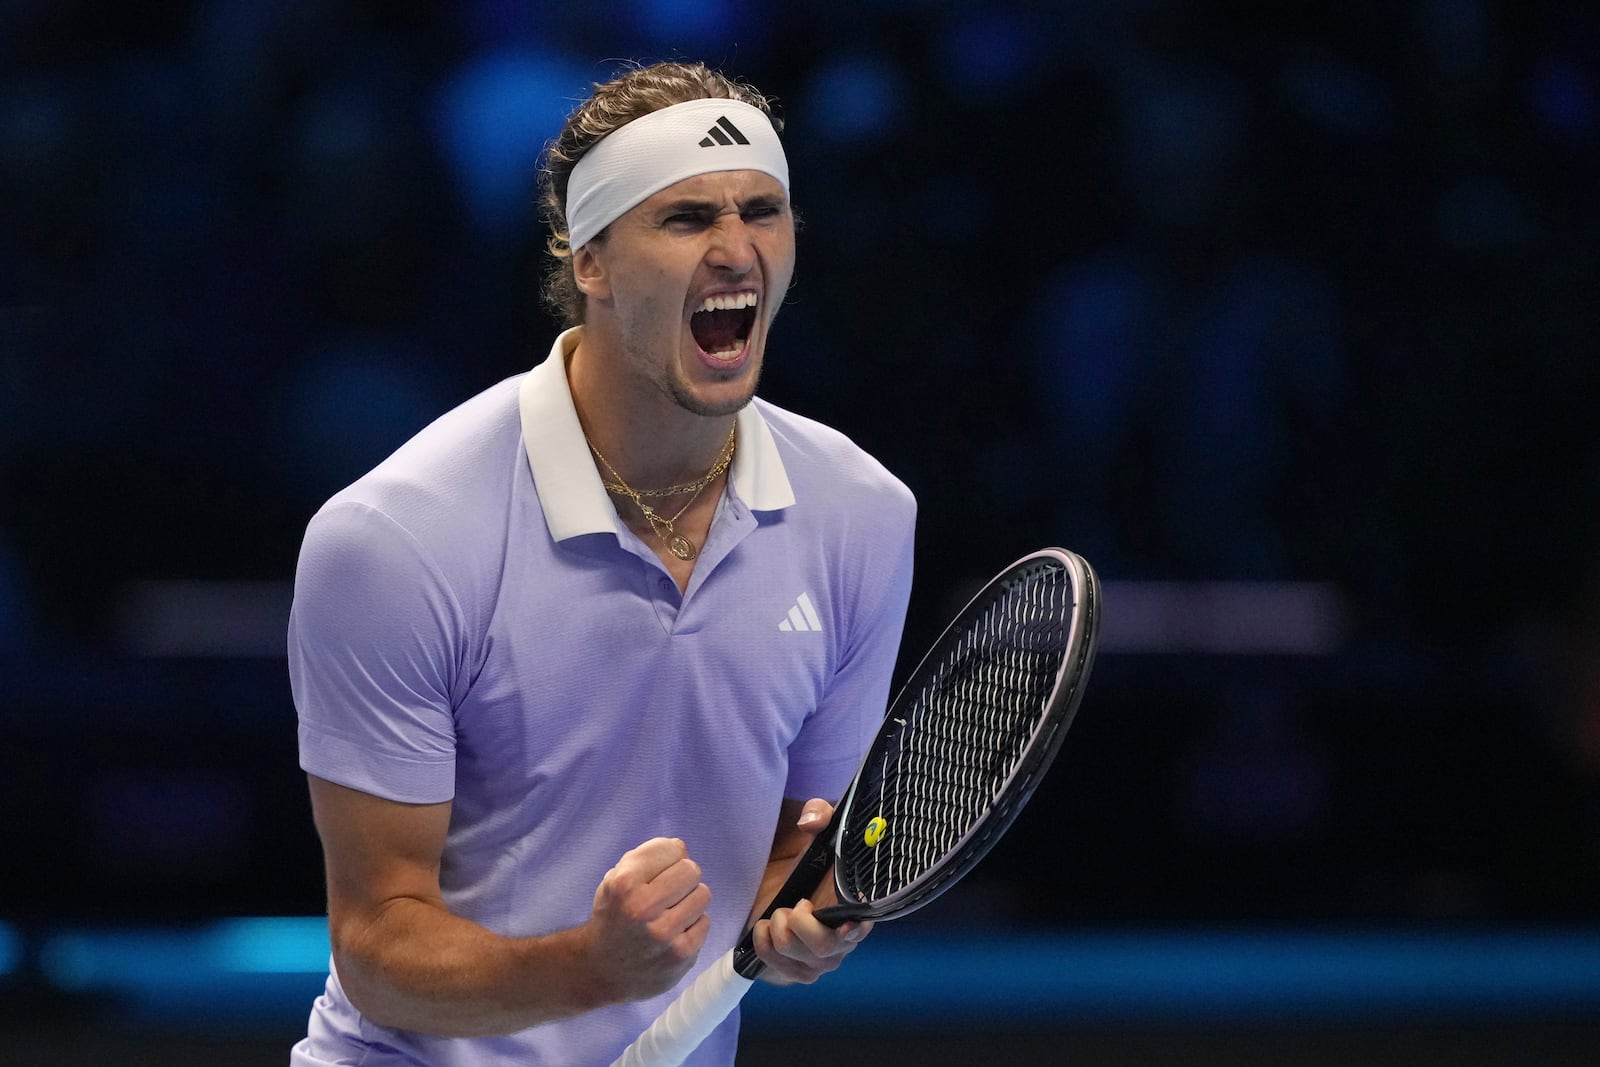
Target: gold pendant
681	547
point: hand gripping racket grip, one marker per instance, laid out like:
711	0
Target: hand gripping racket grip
803	881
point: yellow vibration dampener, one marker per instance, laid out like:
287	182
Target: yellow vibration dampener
875	831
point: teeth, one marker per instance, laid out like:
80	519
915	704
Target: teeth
729	302
726	353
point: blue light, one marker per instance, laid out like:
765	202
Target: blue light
270	969
855	98
352	401
202	957
236	971
1218	975
1564	99
10	950
492	118
1339	97
701	26
990	53
271	945
68	962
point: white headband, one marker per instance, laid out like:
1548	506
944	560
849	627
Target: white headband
634	162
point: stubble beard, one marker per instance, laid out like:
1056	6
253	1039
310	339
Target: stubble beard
680	393
672	383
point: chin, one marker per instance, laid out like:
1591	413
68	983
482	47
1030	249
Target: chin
725	395
713	405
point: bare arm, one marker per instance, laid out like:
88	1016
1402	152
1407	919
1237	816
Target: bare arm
406	961
795	946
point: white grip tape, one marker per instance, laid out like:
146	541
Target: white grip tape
690	1019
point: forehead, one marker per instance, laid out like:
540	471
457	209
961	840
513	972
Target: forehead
720	186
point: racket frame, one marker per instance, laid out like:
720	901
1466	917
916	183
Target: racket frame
1057	714
1055	717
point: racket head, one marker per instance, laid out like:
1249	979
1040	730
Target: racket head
968	738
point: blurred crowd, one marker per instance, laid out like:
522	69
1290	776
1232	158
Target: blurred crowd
1204	291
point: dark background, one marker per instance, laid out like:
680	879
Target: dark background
1209	292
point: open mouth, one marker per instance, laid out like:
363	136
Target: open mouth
722	324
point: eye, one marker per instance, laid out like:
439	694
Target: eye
687	220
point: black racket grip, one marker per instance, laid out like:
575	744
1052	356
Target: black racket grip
803	881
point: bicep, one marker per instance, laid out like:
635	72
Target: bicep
377	851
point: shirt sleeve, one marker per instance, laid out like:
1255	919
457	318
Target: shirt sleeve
375	640
830	747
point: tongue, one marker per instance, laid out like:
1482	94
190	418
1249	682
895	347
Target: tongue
716	330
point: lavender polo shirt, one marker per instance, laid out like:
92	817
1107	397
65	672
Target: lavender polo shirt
472	622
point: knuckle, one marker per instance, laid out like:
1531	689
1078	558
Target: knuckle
609	896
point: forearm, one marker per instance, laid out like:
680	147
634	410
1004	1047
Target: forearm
777	872
415	966
788	844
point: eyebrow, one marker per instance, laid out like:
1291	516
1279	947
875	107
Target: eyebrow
705	207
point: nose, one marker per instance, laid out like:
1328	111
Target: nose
732	248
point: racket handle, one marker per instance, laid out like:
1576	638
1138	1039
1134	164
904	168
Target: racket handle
803	881
689	1020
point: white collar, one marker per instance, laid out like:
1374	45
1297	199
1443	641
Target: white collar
570	491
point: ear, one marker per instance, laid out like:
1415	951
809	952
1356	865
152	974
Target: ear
589	271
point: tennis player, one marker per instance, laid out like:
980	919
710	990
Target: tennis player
579	666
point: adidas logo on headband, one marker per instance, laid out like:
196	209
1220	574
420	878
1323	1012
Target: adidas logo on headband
631	163
716	136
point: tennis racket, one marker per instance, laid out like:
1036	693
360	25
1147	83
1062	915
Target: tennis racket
962	748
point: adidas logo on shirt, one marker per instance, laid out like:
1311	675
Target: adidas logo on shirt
723	133
802	618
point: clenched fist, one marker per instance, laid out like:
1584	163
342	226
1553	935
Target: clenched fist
649	921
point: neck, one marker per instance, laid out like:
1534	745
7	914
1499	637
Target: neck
647	437
620	486
651	515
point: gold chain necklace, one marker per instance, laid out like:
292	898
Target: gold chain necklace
662	525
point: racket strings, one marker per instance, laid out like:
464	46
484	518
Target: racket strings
949	757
